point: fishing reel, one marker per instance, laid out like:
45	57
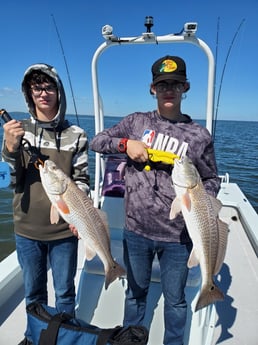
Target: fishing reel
25	144
5	116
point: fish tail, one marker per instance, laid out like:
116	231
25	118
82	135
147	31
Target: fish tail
115	271
209	294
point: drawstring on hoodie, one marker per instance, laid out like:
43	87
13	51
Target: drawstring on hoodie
57	139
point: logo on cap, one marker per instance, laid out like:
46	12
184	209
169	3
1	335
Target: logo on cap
168	66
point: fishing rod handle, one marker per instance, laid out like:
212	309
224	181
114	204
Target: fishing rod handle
5	116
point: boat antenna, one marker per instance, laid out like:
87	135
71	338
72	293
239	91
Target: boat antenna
223	71
66	66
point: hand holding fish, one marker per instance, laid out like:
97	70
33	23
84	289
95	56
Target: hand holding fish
74	231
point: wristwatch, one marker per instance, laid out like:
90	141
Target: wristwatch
122	145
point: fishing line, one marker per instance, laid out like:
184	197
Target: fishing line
66	66
223	71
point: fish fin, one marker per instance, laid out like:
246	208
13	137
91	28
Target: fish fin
104	217
193	259
62	206
54	215
115	271
90	253
186	201
208	295
175	208
222	246
216	204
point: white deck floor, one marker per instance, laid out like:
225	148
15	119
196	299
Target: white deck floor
237	316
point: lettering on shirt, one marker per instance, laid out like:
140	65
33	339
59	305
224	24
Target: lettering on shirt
164	143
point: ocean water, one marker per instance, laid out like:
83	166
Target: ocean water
236	147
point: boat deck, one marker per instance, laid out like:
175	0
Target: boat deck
231	322
237	315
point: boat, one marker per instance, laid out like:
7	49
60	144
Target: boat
233	321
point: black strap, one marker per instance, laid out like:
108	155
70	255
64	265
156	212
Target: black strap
49	336
106	334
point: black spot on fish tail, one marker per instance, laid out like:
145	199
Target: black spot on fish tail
208	295
115	271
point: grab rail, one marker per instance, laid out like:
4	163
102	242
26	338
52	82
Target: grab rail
187	36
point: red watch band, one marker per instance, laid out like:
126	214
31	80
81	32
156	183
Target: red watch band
122	145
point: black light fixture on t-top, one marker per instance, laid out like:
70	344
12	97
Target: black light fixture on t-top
148	23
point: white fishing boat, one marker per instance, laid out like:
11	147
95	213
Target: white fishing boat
233	321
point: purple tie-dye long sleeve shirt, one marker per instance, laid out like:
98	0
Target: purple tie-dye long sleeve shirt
149	194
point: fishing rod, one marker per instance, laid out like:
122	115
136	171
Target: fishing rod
223	71
66	65
215	79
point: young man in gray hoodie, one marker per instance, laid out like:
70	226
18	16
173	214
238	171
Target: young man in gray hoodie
47	135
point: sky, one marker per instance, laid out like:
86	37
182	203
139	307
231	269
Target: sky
28	35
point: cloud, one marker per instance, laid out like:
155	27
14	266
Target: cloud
7	91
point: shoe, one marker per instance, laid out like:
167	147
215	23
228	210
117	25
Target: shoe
25	341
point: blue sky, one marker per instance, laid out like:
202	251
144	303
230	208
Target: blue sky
28	35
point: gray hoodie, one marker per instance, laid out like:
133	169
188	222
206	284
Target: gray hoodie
51	72
59	140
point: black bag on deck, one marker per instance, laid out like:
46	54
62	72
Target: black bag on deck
51	328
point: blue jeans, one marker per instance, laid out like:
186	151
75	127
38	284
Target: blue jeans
139	253
34	256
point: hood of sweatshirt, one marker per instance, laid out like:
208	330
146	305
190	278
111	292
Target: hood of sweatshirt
50	71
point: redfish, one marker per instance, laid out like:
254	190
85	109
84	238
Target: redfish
76	208
208	232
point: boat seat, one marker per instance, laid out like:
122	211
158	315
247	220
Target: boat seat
114	183
95	266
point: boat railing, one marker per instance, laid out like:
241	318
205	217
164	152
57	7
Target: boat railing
224	178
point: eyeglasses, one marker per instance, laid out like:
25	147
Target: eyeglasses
49	89
164	87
